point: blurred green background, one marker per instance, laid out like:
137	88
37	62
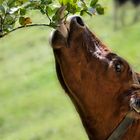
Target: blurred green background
33	105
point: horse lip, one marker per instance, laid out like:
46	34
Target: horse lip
65	26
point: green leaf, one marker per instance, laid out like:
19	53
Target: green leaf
93	3
74	1
82	12
22	11
49	10
22	20
72	8
55	10
21	2
10	19
49	1
46	2
100	9
11	3
2	9
4	4
63	2
13	10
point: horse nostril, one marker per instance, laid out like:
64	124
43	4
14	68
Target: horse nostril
79	21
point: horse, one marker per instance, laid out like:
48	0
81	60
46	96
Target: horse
103	87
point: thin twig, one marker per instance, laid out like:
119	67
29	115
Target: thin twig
48	17
1	23
20	27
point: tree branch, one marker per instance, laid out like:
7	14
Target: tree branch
48	17
1	23
20	27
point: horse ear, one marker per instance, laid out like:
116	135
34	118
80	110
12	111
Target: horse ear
57	40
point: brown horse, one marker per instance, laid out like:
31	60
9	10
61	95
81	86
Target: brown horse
102	85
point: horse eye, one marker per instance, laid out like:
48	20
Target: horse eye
118	67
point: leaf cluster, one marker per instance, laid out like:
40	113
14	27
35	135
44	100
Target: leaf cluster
14	12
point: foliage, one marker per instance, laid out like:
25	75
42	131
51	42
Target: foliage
14	12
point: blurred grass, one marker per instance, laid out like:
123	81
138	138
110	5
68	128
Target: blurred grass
32	104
